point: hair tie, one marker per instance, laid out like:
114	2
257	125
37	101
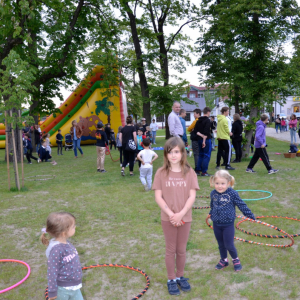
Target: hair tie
44	230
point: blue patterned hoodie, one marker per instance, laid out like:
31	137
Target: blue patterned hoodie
223	207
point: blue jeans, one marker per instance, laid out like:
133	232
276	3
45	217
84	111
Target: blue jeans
64	294
153	137
293	135
76	144
213	143
277	126
204	156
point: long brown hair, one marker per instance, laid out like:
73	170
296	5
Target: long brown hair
169	146
57	223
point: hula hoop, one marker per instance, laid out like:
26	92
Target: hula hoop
32	178
261	244
264	235
107	152
20	282
270	194
118	266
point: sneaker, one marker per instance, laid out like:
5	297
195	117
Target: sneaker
221	264
173	288
183	284
146	187
61	154
229	167
237	265
38	160
205	174
235	161
122	173
198	173
103	171
98	170
131	174
217	167
30	163
248	170
121	165
272	171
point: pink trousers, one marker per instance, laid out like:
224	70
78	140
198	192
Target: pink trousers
176	240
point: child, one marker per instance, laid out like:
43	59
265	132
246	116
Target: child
46	139
29	149
282	125
222	213
64	270
100	145
139	138
44	154
148	133
175	186
112	139
147	157
260	146
59	139
119	145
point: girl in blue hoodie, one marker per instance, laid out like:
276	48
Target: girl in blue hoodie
223	202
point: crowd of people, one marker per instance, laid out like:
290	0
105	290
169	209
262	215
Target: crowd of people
204	131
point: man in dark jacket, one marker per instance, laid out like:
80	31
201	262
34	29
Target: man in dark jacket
203	131
237	137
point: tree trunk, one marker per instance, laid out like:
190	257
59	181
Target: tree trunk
249	133
140	64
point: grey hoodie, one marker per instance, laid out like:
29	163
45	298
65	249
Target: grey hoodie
64	267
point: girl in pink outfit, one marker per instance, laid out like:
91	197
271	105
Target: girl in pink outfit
293	128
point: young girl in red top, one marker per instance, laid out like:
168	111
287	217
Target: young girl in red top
175	186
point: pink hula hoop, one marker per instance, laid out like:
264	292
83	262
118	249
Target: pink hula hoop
20	282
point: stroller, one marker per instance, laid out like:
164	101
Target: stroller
68	142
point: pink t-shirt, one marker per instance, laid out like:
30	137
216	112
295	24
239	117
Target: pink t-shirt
175	190
293	123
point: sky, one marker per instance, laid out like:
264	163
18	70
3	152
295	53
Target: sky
191	74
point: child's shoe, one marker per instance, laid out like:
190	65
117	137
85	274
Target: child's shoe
146	187
237	265
173	288
103	171
183	284
222	264
249	170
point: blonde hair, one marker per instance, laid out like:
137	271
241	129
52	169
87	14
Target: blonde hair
57	224
236	117
222	174
169	146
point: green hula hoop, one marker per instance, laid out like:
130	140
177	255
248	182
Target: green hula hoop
270	194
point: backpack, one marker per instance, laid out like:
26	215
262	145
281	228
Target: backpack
293	149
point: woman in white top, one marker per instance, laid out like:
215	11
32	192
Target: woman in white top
154	128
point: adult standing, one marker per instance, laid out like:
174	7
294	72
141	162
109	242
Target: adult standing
144	125
278	123
193	136
213	129
223	137
237	137
182	115
154	128
128	138
37	137
174	123
293	128
202	129
76	133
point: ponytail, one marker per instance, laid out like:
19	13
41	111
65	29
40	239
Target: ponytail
45	240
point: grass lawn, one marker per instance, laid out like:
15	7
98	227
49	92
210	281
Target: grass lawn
117	222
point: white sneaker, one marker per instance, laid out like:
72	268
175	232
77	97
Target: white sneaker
121	165
146	187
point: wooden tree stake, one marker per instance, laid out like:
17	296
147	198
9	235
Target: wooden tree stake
15	155
21	143
7	151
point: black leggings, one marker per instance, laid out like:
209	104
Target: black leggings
224	236
59	146
238	149
129	157
29	155
113	143
121	154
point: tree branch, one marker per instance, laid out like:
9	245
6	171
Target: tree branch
152	16
170	44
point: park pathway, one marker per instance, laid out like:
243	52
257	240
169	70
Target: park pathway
281	136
